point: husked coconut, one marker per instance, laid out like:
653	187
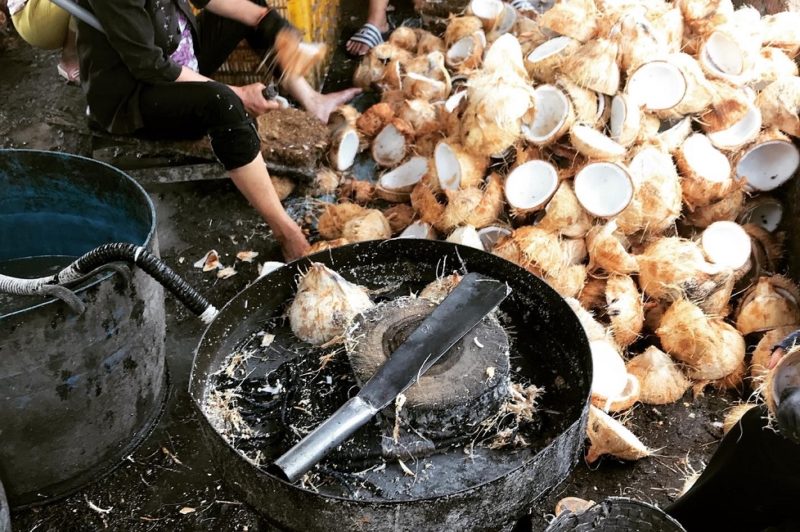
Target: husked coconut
593	295
325	304
759	365
545	62
661	380
779	103
705	170
344	148
604	189
768	162
530	186
399	217
657	197
771	64
593	329
371	225
740	132
763	211
625	120
726	244
658	85
540	248
576	19
569	280
428	42
391	145
625	309
487	11
629	397
405	38
725	209
332	221
593	144
609	377
374	119
771	303
466	53
553	116
729	358
460	27
594	66
439	289
607	436
782	30
672	267
724	56
396	185
608	250
457	169
564	214
419	229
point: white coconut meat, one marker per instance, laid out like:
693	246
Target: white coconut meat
466	53
705	169
609	436
603	189
544	62
743	131
625	120
344	148
419	229
324	305
769	164
657	85
390	146
456	169
486	10
593	144
454	101
466	236
491	234
726	244
530	185
722	56
504	23
404	177
609	376
553	116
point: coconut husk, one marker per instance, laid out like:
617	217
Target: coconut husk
576	19
759	365
344	148
324	245
775	382
594	66
508	249
772	64
705	170
657	197
361	192
730	104
608	250
487	11
608	436
569	280
396	185
762	210
332	221
658	85
374	119
779	102
504	24
461	27
540	248
466	235
419	229
782	30
734	415
454	168
421	115
399	217
405	38
466	54
553	118
699	92
625	120
391	145
584	101
573	505
671	268
574	251
625	309
593	329
564	214
726	366
625	401
771	303
344	115
529	186
673	137
370	225
771	244
368	72
725	209
326	181
594	145
544	63
661	380
593	295
427	42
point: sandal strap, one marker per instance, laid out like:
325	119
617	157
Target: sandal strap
522	5
369	35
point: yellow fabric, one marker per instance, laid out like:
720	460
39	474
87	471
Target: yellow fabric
42	24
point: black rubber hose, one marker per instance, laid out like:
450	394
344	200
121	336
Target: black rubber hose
148	262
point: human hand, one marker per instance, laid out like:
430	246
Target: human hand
789	414
292	240
252	97
783	347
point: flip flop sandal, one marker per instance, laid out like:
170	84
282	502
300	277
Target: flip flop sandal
370	36
522	5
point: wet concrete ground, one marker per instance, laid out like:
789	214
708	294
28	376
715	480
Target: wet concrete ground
169	483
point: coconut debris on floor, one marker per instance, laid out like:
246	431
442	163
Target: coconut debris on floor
623	152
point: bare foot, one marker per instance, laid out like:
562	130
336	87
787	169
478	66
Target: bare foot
324	104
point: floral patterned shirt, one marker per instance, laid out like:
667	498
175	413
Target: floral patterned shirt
184	55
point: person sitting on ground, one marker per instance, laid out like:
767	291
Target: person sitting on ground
44	25
147	75
752	481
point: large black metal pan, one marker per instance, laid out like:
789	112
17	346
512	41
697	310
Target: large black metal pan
548	345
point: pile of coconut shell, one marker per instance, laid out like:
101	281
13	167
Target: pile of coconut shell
620	150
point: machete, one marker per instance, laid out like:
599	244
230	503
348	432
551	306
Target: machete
472	299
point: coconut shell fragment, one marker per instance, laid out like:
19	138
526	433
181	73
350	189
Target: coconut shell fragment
607	436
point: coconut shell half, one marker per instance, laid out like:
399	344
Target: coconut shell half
607	436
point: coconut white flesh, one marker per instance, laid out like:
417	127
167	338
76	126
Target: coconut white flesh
531	184
740	133
418	229
617	118
609	376
600	117
552	111
406	175
726	244
389	147
549	48
594	144
460	51
603	189
466	236
448	169
487	10
657	85
767	214
768	165
706	161
347	150
505	55
452	103
491	234
724	54
624	120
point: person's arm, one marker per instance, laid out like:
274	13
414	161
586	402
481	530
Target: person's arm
244	11
130	32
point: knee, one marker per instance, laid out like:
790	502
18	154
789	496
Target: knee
224	108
